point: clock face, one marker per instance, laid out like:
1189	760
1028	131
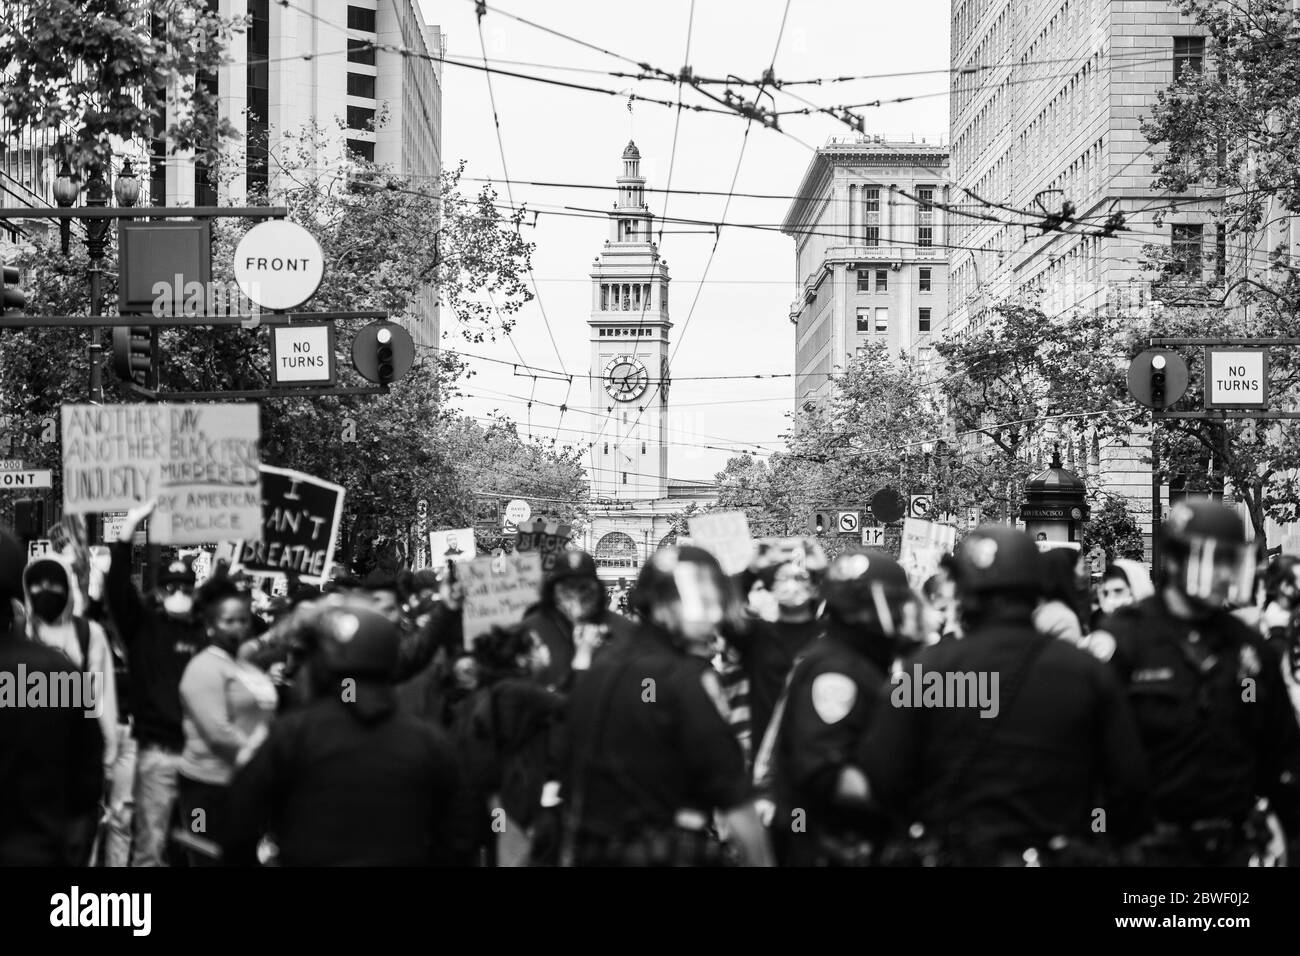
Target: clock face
626	378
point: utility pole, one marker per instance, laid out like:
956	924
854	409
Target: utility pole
97	232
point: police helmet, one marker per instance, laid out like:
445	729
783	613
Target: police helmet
684	590
997	558
352	639
1208	541
866	584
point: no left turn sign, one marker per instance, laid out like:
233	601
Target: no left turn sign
848	521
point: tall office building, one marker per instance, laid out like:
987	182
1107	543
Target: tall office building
1048	98
870	258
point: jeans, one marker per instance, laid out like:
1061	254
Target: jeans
155	798
203	815
121	803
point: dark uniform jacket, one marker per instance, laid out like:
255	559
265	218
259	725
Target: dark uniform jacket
648	737
556	632
159	648
767	652
1065	747
354	784
834	693
1214	714
50	760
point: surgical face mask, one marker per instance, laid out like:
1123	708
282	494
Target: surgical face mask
792	588
48	603
1113	595
178	603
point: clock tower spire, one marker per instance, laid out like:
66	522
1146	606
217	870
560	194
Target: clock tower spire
629	349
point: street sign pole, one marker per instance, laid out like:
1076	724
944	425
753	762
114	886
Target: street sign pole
1155	497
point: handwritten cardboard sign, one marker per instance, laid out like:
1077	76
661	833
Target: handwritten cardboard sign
924	543
726	535
498	590
547	538
456	544
199	461
300	519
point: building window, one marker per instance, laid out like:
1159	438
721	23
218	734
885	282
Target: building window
882	321
616	549
923	320
872	238
871	215
361	51
1186	247
924	237
924	197
1221	251
882	280
1189	53
359	84
871	199
924	278
363	149
360	117
360	18
864	320
606	448
625	477
864	280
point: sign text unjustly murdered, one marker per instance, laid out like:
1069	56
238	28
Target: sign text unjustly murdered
300	515
199	461
1236	378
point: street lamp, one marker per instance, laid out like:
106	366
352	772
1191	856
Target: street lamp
65	194
127	188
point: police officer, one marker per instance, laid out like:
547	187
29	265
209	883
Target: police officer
1208	695
348	779
651	755
1005	747
823	816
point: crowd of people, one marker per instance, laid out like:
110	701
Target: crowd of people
806	712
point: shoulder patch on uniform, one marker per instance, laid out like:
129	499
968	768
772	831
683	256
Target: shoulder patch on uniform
712	685
833	696
1101	644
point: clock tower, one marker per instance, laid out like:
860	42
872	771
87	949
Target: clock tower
629	350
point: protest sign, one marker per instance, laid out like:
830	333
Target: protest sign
924	543
199	461
456	545
726	535
300	515
547	538
200	561
498	589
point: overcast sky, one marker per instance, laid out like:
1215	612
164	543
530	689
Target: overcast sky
740	322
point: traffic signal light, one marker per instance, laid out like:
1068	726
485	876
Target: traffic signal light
821	522
383	352
384	355
13	299
133	353
1158	364
29	518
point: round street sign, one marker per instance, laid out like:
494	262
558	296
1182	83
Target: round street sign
887	505
847	522
518	511
279	264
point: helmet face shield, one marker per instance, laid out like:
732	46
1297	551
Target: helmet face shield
1218	572
898	611
699	607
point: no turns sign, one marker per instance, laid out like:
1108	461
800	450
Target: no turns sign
1236	378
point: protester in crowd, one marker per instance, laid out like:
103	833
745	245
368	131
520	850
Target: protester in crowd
1279	619
348	779
161	637
49	588
1060	609
941	615
573	618
1124	582
51	757
227	704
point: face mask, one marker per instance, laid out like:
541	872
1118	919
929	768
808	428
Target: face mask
792	592
576	605
178	603
48	605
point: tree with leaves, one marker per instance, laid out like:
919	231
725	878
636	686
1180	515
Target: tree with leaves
96	71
